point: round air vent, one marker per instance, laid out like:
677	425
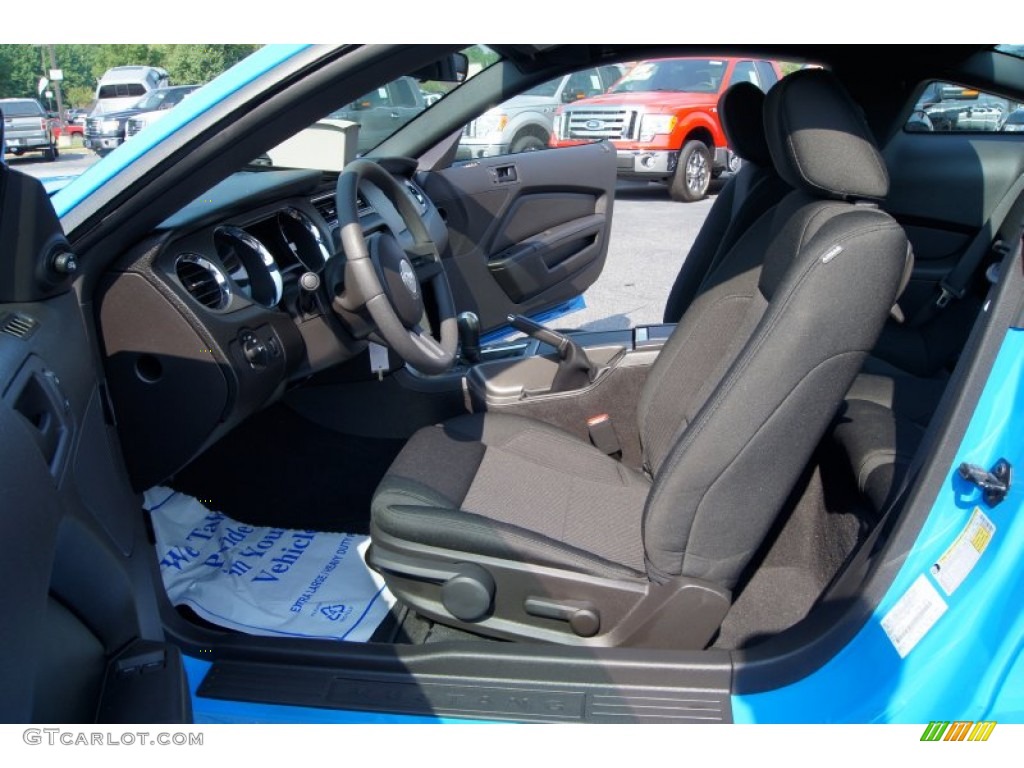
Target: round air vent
204	281
250	265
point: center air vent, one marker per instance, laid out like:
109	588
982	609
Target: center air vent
328	209
203	280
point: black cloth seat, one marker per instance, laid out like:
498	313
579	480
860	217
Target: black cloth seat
881	425
754	189
512	528
481	464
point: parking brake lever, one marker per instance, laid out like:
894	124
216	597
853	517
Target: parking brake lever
574	367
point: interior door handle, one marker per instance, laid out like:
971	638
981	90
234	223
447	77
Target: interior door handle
505	174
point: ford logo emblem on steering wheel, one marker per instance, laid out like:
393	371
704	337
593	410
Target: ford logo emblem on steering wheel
409	278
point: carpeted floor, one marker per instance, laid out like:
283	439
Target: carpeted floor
280	469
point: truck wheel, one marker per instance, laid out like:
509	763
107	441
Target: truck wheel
51	153
693	173
527	143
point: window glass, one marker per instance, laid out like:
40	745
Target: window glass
356	128
524	123
766	73
21	109
947	107
121	90
744	73
684	75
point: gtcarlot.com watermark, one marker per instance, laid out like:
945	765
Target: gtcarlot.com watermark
70	738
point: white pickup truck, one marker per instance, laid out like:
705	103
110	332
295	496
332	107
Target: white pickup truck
524	122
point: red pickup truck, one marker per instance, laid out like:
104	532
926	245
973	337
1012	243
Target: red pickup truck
662	117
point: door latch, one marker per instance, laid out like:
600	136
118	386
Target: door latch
994	485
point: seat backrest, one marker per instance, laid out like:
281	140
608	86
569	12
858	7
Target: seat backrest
748	194
745	387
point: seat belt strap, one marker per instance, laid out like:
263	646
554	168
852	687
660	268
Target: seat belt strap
954	285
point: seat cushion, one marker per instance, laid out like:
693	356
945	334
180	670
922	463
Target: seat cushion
881	425
515	488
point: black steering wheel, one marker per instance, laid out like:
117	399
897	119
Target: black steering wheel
388	279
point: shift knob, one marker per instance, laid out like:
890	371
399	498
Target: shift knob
469	336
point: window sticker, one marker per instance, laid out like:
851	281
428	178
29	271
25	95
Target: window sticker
963	554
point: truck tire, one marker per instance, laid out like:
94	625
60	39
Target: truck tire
51	153
693	173
527	143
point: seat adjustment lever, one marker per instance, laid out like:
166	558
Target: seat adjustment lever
581	616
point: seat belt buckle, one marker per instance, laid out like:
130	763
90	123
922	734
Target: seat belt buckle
602	434
947	294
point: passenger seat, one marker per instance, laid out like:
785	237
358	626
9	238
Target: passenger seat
743	199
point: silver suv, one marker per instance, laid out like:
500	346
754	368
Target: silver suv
27	128
524	122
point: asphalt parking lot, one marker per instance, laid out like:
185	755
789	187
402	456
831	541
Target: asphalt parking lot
650	236
72	162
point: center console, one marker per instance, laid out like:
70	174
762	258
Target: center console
542	377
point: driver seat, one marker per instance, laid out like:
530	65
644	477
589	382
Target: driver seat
509	527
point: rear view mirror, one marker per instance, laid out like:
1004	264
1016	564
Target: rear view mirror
451	69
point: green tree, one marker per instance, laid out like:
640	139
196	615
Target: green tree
20	70
188	64
120	55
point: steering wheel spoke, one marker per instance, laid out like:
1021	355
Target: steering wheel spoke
428	271
387	277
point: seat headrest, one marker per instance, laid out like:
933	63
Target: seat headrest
741	109
819	140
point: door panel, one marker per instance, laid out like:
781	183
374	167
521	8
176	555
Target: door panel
526	231
944	188
78	622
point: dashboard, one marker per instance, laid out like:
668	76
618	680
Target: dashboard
229	302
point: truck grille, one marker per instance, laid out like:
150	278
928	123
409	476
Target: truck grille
93	125
594	123
132	127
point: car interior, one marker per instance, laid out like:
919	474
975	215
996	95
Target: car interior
601	526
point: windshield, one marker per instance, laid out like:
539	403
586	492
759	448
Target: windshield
684	75
162	99
122	90
20	109
550	88
356	128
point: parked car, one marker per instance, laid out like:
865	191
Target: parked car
28	129
523	123
382	111
250	344
662	119
106	132
120	87
1014	122
948	107
154	106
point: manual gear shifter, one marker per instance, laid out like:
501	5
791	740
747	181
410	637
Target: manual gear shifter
469	336
574	367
